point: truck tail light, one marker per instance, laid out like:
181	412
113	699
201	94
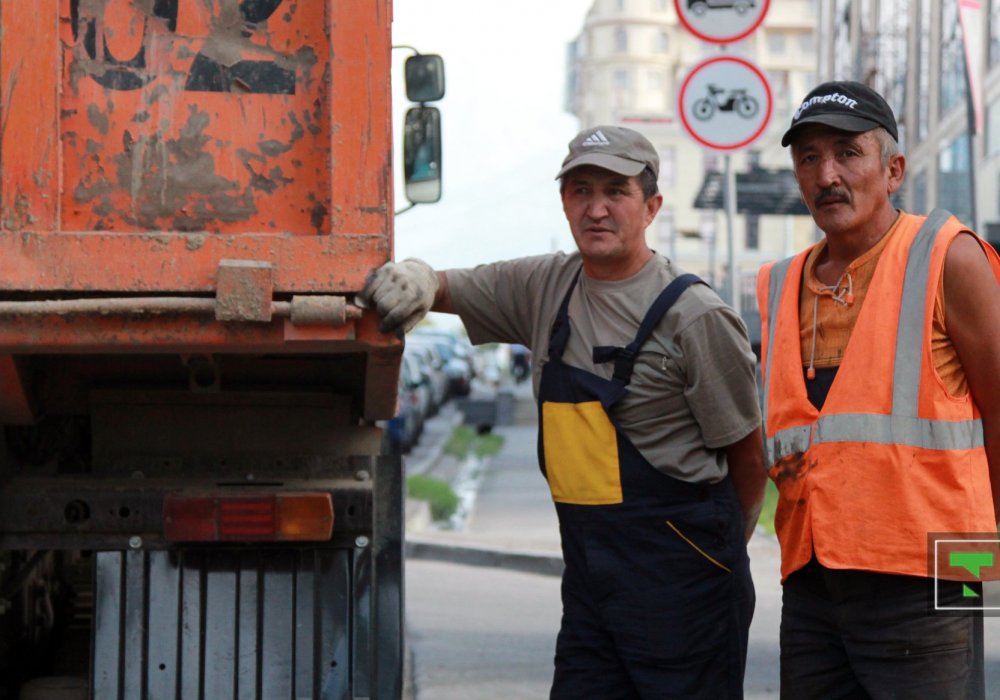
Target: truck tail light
282	517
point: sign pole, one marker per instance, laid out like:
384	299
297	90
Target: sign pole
725	102
730	203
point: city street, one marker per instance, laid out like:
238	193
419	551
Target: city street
487	630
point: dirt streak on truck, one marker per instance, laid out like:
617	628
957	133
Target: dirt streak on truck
193	503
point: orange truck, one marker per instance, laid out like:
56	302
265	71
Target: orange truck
193	499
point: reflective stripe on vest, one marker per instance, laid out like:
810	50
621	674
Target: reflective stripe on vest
902	426
776	282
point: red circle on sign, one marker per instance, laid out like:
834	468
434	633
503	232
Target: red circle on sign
698	137
719	39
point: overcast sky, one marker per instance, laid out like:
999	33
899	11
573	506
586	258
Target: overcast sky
504	128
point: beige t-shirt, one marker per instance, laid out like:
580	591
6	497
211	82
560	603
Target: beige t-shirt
693	389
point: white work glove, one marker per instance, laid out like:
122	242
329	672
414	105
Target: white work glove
402	294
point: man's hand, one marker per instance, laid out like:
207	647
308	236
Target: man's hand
402	294
746	468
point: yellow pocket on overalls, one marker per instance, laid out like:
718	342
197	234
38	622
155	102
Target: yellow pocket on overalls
581	454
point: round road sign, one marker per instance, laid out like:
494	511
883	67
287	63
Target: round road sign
725	103
721	21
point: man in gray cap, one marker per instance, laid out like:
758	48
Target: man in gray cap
649	432
881	356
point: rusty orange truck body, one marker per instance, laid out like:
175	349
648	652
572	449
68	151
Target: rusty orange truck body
192	499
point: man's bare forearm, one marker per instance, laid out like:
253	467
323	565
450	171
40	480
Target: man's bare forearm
746	468
442	299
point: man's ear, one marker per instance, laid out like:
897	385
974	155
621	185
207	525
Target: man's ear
897	171
653	205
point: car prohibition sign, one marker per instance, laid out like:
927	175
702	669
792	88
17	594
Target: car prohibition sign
721	21
725	103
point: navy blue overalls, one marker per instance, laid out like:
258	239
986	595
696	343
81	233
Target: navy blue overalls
657	596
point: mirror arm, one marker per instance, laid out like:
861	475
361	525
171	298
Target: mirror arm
405	209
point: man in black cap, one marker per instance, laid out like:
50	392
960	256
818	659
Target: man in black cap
882	419
648	430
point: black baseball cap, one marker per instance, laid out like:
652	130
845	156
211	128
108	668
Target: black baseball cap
846	105
615	148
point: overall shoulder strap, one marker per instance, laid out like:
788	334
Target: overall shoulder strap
559	335
625	357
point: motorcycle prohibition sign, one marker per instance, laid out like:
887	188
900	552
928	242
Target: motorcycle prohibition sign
735	101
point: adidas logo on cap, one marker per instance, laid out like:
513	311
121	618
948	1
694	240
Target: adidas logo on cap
596	139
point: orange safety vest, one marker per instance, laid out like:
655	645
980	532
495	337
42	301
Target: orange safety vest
891	457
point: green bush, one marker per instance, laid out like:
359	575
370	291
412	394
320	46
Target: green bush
487	444
464	440
770	503
460	442
437	493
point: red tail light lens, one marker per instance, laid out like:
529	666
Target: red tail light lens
303	517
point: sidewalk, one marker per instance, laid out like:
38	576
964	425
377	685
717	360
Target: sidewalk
488	536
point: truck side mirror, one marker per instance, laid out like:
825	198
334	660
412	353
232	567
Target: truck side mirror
424	78
422	155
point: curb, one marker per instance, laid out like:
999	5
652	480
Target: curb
422	466
526	562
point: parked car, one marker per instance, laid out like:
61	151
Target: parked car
399	432
456	352
418	382
433	367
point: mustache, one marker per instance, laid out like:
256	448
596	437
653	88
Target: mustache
600	223
835	193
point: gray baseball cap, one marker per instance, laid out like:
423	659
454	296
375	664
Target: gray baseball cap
613	148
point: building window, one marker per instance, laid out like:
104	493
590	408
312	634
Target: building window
842	52
655	80
953	179
993	128
620	78
667	178
665	231
918	203
706	231
923	70
662	42
994	49
775	42
779	90
891	58
952	84
621	40
620	5
706	227
753	232
807	42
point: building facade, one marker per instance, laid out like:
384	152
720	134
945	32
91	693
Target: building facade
914	52
626	67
